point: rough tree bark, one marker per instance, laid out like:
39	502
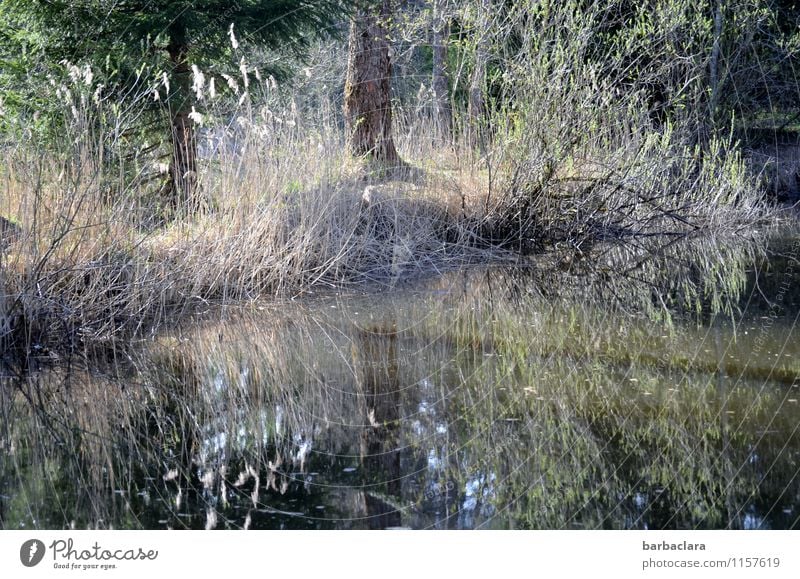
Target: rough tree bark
183	163
441	83
367	93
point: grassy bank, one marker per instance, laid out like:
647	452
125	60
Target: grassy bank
96	253
278	218
296	214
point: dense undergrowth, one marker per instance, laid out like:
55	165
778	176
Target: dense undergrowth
93	252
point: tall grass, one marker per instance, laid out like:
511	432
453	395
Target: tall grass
281	208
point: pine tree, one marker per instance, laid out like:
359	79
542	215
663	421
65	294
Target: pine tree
188	32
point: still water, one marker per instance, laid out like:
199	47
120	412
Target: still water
651	386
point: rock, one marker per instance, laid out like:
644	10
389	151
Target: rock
378	195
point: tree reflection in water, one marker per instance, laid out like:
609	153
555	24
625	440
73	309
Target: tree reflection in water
643	387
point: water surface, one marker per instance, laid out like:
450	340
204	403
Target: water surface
651	386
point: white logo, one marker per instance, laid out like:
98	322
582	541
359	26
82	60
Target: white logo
31	553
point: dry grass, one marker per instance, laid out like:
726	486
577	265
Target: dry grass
281	209
283	213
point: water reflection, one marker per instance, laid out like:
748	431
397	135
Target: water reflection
657	389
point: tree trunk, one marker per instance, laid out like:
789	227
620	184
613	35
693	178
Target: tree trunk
183	163
378	387
367	93
441	84
476	107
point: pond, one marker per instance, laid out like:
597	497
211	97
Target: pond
649	386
